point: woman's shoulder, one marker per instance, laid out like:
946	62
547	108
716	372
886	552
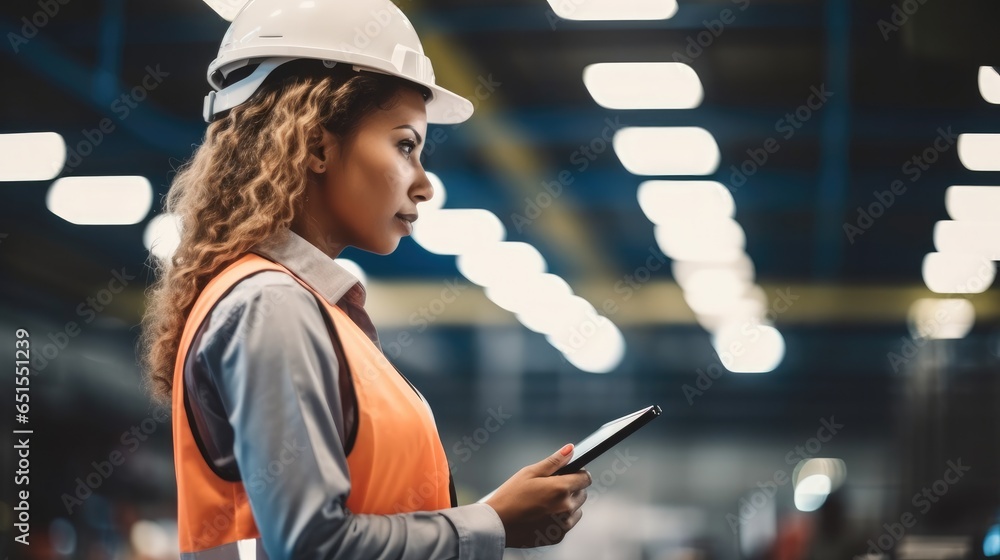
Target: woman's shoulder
271	297
262	281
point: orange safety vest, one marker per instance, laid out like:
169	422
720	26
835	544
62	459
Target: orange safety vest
397	464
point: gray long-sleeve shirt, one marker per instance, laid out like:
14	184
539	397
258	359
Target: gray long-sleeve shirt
268	406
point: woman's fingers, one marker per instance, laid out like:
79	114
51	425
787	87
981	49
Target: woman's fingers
575	518
577	481
569	520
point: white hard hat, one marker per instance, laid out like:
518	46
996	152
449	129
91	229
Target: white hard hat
372	35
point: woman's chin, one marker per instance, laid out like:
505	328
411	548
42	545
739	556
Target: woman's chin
384	247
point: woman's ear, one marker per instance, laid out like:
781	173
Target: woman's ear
322	146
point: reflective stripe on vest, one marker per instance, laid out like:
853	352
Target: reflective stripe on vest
394	425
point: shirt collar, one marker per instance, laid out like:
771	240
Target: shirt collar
313	266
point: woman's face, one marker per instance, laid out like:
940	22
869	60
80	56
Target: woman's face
371	184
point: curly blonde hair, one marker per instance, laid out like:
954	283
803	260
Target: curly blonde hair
244	183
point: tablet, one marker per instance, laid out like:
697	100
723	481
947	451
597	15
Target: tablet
603	439
608	436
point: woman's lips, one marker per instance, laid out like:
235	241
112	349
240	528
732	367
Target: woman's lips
407	221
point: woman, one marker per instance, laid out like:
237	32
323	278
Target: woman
294	437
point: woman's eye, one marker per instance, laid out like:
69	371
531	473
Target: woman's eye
407	146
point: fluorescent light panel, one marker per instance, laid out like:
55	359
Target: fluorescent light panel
957	273
979	152
757	349
563	314
614	9
720	240
685	271
989	84
715	291
977	238
501	263
748	311
670	150
602	353
811	492
354	268
513	275
941	318
162	235
120	200
973	203
454	231
33	156
664	202
835	469
529	293
643	85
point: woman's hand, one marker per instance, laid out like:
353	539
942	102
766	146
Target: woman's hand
538	509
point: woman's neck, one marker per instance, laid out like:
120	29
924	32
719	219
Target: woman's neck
313	229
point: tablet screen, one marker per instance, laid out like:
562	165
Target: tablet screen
601	440
603	433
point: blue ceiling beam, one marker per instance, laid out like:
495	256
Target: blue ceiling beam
147	122
831	203
109	49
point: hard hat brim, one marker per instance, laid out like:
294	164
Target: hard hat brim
446	107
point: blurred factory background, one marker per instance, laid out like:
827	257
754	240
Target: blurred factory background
754	229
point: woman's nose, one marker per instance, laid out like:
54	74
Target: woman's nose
423	189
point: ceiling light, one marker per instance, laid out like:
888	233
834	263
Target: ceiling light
941	318
685	271
975	238
719	240
453	231
749	349
500	263
529	293
614	9
667	201
34	156
603	352
667	150
354	268
715	291
834	469
162	236
119	200
989	84
643	85
560	314
969	203
957	273
811	492
747	312
978	152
